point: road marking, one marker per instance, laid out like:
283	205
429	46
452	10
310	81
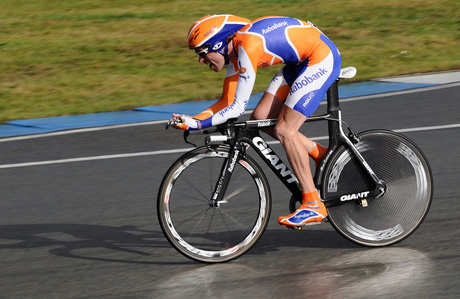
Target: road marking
174	151
103	157
432	128
84	130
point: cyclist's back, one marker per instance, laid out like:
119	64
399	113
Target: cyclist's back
273	40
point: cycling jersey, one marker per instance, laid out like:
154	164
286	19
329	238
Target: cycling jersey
312	64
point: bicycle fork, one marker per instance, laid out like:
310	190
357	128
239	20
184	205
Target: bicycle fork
224	178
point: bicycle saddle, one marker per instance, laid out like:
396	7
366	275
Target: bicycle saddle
347	73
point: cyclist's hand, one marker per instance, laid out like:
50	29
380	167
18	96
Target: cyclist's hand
184	122
177	124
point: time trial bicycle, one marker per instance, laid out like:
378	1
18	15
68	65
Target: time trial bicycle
214	202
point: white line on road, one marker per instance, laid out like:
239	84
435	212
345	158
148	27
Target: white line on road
174	151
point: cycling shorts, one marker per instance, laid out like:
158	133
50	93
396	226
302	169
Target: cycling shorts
303	86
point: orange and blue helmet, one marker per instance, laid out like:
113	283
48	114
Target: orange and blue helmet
213	30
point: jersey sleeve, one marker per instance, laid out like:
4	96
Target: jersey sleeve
228	94
237	90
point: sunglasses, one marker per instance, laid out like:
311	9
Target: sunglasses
203	52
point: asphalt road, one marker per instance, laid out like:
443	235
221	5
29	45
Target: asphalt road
88	229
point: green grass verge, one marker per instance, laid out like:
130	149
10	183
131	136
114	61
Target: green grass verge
73	57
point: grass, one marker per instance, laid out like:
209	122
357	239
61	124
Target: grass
74	57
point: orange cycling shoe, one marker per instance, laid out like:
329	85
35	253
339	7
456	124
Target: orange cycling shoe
312	211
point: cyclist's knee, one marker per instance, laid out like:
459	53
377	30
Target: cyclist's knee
283	132
256	115
259	114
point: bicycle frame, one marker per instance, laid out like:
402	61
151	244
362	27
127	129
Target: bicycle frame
235	214
236	135
337	137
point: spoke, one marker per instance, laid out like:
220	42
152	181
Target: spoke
235	221
195	188
236	192
226	230
191	218
203	214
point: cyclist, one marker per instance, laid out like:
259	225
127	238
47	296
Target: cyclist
312	64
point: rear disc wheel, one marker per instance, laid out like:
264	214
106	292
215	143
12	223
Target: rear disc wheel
409	188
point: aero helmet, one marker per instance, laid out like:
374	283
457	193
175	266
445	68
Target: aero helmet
213	30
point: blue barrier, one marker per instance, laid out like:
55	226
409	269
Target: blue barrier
163	112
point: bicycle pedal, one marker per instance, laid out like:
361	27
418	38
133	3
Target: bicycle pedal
299	228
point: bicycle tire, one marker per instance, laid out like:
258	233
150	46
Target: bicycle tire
409	189
213	234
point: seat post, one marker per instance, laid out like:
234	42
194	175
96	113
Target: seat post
333	109
333	97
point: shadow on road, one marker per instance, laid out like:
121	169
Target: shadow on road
129	244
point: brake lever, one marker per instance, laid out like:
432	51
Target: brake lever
186	134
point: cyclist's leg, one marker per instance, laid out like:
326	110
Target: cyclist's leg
309	82
312	209
307	90
270	105
286	130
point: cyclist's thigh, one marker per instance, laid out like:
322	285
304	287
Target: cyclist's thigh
273	98
313	78
268	107
309	88
279	86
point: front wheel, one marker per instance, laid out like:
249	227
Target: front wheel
409	188
203	231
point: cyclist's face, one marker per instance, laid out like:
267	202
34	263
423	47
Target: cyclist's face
216	61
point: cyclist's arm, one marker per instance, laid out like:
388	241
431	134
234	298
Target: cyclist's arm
247	68
228	95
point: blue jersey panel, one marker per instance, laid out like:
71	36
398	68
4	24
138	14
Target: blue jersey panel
274	32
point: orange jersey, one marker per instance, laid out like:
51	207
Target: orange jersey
263	42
